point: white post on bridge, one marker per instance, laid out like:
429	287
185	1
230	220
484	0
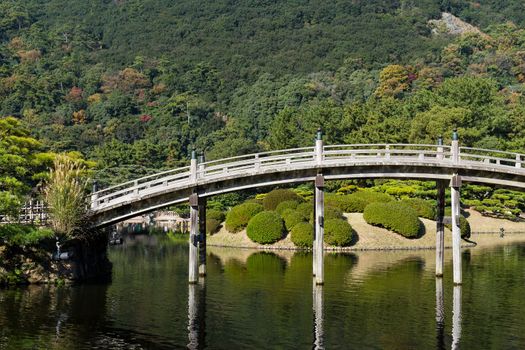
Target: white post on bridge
440	228
455	185
518	161
439	155
193	275
319	147
202	236
94	195
193	167
319	230
454	149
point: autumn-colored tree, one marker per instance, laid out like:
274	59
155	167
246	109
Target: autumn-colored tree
394	80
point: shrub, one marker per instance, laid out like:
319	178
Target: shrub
292	218
337	232
464	227
273	198
394	216
306	209
265	228
23	235
330	213
215	214
286	205
357	201
302	235
238	217
212	226
425	209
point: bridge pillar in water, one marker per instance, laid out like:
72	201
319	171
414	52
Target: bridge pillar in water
193	275
455	185
440	228
202	236
319	230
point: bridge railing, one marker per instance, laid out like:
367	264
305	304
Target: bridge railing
487	156
254	162
284	160
364	152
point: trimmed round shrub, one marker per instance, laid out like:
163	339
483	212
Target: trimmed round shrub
265	228
337	232
286	205
215	214
275	197
425	209
357	201
238	217
292	218
302	235
306	209
464	227
394	216
212	226
330	213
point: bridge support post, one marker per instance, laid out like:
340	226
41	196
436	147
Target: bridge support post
202	236
193	275
319	230
440	228
455	185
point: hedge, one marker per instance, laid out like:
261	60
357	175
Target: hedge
286	205
425	209
337	232
265	228
330	213
302	235
212	226
357	201
215	214
306	209
395	216
273	198
238	216
291	218
23	235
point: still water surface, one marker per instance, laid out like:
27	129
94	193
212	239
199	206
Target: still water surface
256	300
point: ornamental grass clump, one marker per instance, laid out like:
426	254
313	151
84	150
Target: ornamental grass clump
338	232
302	235
275	197
394	216
265	228
65	194
238	217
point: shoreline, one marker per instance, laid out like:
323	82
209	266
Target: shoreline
371	238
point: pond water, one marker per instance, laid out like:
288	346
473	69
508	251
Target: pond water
257	300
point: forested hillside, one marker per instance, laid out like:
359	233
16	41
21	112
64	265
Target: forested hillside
136	84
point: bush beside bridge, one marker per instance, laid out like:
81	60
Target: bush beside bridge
394	216
265	228
239	216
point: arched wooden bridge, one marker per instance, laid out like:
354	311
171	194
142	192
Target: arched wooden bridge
406	161
196	182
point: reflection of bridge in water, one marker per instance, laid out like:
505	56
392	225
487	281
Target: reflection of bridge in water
448	165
